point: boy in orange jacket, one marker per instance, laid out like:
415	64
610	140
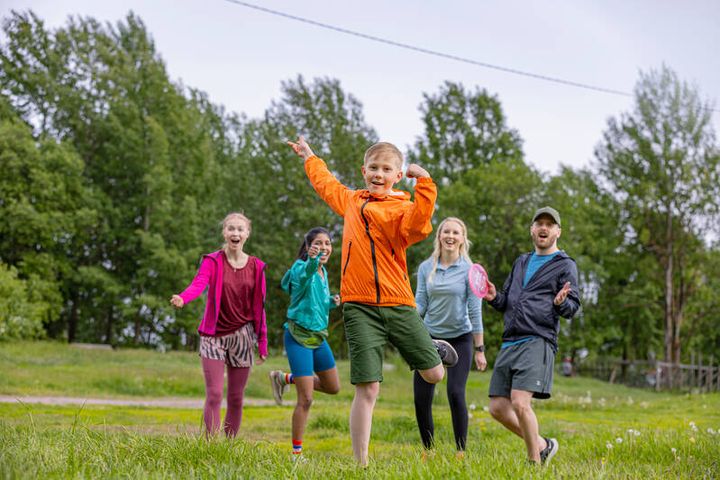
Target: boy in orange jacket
378	302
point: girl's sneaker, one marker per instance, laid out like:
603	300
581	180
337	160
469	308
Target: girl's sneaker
277	383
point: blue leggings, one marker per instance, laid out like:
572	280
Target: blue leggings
304	361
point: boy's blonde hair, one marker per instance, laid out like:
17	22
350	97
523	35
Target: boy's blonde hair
384	148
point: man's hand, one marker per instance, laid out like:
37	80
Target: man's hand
301	148
491	292
260	359
416	171
177	301
562	294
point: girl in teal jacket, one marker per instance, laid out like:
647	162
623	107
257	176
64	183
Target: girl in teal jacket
311	360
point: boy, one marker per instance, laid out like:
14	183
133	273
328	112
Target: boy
542	286
378	302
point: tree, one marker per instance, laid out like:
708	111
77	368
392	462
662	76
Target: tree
662	163
463	130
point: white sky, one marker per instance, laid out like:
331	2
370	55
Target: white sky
240	56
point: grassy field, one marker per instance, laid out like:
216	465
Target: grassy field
605	431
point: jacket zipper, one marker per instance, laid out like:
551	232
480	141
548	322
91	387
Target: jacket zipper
347	260
372	250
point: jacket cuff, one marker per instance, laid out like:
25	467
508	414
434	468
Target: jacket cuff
263	348
424	180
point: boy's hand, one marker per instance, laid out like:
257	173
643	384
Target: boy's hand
416	171
337	300
301	148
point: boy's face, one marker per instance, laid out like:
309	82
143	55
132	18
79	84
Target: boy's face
381	172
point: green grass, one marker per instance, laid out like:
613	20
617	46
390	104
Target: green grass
39	441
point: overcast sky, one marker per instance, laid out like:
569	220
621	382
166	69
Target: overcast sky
239	56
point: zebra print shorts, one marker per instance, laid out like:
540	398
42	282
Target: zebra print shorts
235	349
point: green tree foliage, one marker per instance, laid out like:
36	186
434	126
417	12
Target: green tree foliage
463	130
662	163
21	315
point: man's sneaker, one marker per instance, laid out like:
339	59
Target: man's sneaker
549	452
278	385
447	353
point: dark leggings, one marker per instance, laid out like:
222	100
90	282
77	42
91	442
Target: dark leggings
456	380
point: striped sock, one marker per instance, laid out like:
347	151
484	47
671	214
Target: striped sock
297	447
289	379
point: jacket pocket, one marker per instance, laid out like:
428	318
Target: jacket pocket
347	259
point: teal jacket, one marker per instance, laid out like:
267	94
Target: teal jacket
310	299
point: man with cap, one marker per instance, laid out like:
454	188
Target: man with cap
541	288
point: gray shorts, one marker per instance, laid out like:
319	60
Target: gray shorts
527	366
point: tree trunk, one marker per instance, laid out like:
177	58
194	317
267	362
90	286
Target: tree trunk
73	318
669	289
109	326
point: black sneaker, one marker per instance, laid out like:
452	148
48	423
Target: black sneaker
549	452
447	353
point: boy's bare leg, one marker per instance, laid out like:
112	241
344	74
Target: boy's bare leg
361	413
433	375
516	414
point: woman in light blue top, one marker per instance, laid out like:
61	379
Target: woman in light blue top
453	313
311	361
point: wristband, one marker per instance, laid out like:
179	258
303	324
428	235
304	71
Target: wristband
480	348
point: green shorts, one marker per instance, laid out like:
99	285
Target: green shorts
527	366
368	330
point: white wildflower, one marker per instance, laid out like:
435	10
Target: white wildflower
472	406
609	445
673	450
711	431
618	440
486	409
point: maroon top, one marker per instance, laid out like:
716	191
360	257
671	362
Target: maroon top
236	303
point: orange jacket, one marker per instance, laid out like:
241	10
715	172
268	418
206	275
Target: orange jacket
376	234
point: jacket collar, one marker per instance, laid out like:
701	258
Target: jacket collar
393	195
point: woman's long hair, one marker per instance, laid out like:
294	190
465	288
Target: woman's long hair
464	248
308	239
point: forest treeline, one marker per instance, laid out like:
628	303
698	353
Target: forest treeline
115	178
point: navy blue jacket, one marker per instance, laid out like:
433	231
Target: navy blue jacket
531	310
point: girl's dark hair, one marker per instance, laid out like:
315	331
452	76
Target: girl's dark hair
308	239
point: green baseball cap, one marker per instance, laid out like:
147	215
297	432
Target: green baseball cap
547	211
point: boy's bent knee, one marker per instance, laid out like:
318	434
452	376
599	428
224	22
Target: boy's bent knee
367	391
433	375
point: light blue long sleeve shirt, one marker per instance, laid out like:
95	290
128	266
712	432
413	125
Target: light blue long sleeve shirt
310	299
447	305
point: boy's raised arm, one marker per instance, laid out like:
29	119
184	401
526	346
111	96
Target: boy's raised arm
416	224
334	193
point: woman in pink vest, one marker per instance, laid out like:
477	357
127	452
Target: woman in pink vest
233	323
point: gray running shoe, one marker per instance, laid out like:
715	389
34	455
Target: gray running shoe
549	452
277	384
447	353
